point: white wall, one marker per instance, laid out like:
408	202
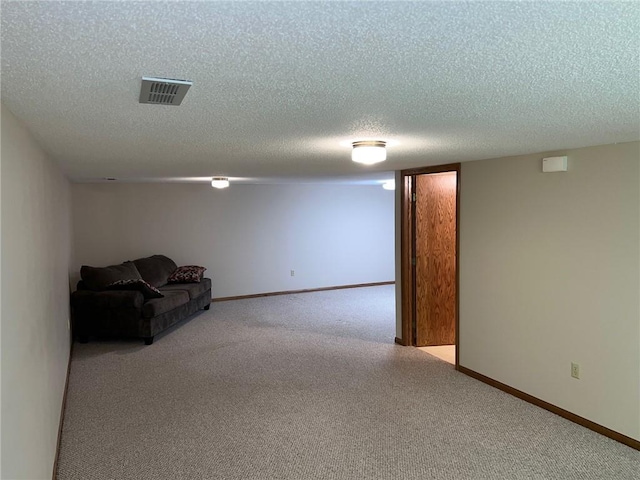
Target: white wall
248	236
36	244
550	274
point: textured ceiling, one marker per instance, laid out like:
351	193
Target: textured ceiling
282	88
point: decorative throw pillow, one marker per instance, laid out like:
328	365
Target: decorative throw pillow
187	274
137	284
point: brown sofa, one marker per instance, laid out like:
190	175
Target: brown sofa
99	311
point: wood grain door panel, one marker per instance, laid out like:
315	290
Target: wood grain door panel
435	249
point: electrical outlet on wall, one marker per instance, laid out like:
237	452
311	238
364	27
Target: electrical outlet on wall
293	273
575	370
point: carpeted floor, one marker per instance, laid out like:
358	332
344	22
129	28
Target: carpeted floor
307	386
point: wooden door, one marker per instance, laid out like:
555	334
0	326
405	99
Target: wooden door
435	251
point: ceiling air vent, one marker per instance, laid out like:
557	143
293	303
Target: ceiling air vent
163	91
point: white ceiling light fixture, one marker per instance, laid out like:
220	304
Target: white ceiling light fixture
220	182
389	185
369	152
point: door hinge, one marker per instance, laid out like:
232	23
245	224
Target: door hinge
413	261
413	197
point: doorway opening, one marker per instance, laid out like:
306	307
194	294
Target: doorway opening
430	201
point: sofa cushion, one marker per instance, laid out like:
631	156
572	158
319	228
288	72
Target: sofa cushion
138	285
194	289
89	300
158	306
187	274
96	278
155	269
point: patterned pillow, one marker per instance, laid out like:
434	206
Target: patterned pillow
137	284
187	274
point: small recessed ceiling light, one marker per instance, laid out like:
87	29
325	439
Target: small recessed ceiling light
389	185
369	152
220	182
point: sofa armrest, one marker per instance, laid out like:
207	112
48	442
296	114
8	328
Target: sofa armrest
87	299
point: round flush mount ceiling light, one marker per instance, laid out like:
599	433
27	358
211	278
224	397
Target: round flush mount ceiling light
369	152
220	182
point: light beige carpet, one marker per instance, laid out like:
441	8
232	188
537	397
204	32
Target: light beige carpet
307	386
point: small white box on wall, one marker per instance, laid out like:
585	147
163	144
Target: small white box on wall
554	164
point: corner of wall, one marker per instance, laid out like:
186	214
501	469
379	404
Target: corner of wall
398	251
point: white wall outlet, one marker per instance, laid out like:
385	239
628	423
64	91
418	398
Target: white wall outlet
293	273
575	370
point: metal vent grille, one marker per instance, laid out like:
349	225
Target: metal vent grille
163	91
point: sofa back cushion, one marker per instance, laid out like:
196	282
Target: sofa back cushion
155	270
99	278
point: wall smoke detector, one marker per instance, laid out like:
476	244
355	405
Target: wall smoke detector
163	91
